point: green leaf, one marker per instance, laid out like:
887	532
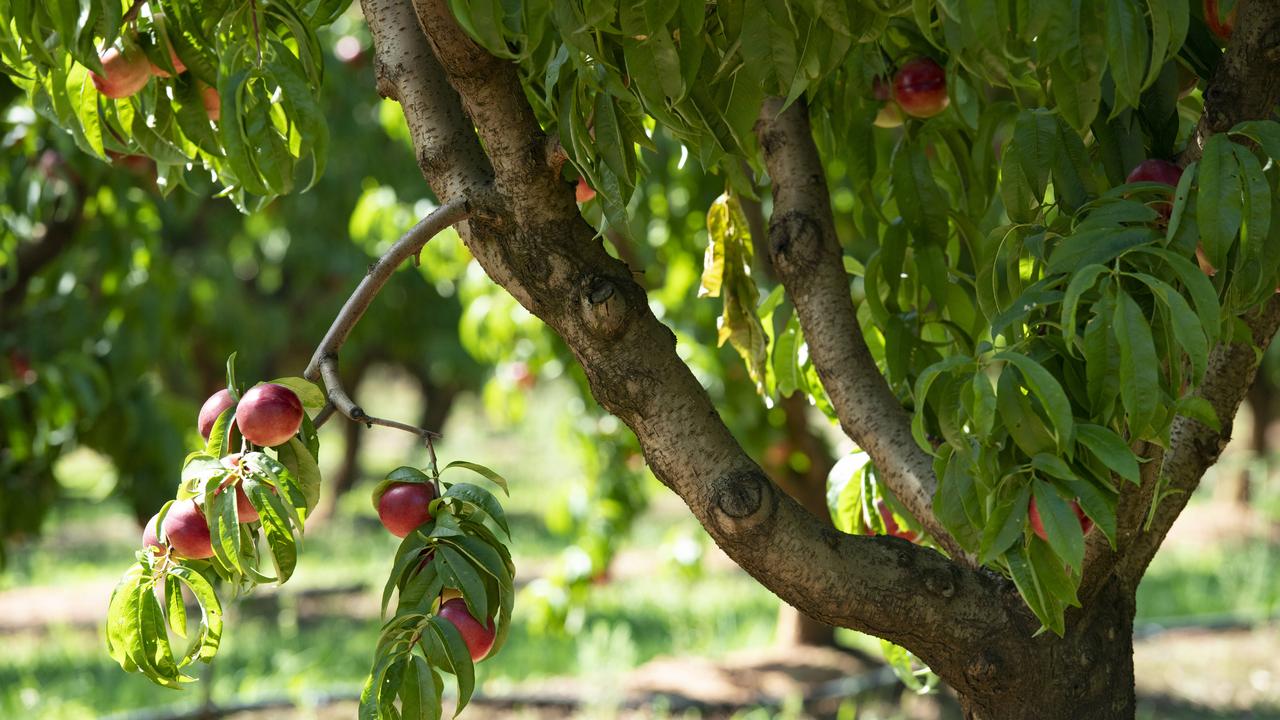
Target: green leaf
922	203
1098	504
1139	365
219	434
420	692
1128	48
983	409
1099	247
453	657
1199	409
480	470
275	526
1035	140
1060	524
491	561
1199	287
1077	99
482	500
224	529
175	609
303	467
1046	609
1265	132
1053	466
1081	281
210	609
1102	357
312	397
409	553
122	618
1004	526
1111	449
202	470
1181	198
1057	587
1255	267
1185	324
161	668
921	394
1219	204
1049	392
956	491
468	580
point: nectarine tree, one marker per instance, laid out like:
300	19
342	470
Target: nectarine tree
1029	328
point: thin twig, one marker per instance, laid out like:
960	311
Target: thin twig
324	363
343	403
132	13
323	416
407	246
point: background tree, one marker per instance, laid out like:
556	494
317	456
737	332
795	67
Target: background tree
1033	340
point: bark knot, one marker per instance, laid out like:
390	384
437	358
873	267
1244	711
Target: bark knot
795	243
745	502
604	305
942	581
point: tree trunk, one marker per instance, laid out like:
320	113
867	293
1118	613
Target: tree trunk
1086	674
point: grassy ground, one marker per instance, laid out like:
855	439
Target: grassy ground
304	645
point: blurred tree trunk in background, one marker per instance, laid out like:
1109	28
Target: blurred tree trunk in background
809	488
1238	486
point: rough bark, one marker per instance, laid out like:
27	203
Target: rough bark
806	255
1088	673
970	625
809	488
552	262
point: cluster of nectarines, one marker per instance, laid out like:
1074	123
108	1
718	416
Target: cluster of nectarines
406	506
125	72
267	415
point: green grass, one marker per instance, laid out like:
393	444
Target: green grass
273	650
1238	581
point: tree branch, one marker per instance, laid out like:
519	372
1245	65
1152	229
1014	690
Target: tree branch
524	161
324	363
806	255
1246	86
1195	447
409	245
408	73
553	263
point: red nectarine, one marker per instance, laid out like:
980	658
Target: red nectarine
479	638
920	88
403	507
269	414
187	530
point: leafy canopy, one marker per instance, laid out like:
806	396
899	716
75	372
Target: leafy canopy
1038	313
